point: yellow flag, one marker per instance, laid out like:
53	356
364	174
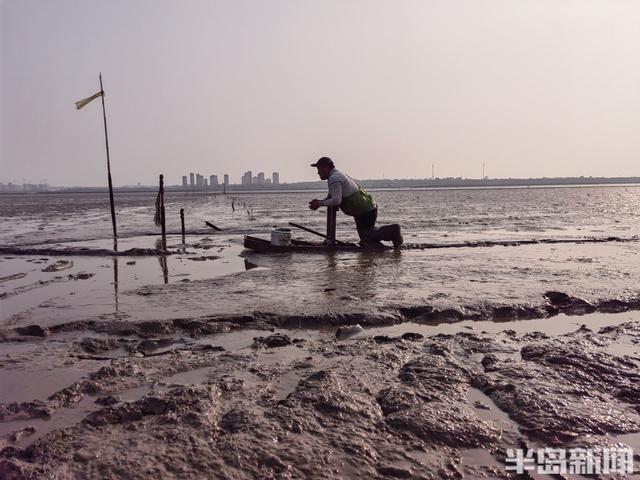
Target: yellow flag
85	101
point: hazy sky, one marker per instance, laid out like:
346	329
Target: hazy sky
386	88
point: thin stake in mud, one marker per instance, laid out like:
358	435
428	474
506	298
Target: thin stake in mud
159	215
184	246
162	216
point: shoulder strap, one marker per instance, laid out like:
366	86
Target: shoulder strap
354	180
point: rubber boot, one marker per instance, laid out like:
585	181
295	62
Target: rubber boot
397	238
392	233
370	239
388	233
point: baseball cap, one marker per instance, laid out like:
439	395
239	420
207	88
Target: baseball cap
323	162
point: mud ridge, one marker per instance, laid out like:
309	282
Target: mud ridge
517	243
195	327
83	251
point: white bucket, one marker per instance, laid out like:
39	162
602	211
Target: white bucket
281	236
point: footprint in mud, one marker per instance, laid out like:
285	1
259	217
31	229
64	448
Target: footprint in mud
203	258
81	276
15	276
58	266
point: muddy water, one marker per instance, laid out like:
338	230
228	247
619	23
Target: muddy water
109	364
426	214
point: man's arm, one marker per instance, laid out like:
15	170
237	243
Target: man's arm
335	196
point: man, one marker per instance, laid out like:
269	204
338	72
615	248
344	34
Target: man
345	193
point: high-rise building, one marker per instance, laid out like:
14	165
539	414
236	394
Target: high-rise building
226	179
191	179
267	181
206	183
247	178
199	179
276	178
213	180
184	181
260	178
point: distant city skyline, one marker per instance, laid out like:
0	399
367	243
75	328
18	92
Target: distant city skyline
197	181
430	183
530	88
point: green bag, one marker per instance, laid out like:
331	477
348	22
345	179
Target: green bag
358	203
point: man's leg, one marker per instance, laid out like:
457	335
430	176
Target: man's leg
389	233
369	234
366	224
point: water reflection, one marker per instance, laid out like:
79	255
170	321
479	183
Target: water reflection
332	264
366	274
161	245
457	215
249	265
354	275
115	282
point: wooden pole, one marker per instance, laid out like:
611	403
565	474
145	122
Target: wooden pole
106	141
331	224
182	221
162	217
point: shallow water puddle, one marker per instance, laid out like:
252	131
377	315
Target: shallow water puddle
41	382
479	457
70	416
558	325
622	348
285	385
232	341
286	354
488	411
61	418
629	439
190	377
133	394
37	294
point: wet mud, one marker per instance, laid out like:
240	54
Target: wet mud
290	405
81	251
142	252
517	243
15	276
200	361
58	266
41	283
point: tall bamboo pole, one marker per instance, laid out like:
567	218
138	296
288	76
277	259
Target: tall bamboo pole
106	141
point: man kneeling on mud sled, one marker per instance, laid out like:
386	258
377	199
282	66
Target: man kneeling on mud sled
353	200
